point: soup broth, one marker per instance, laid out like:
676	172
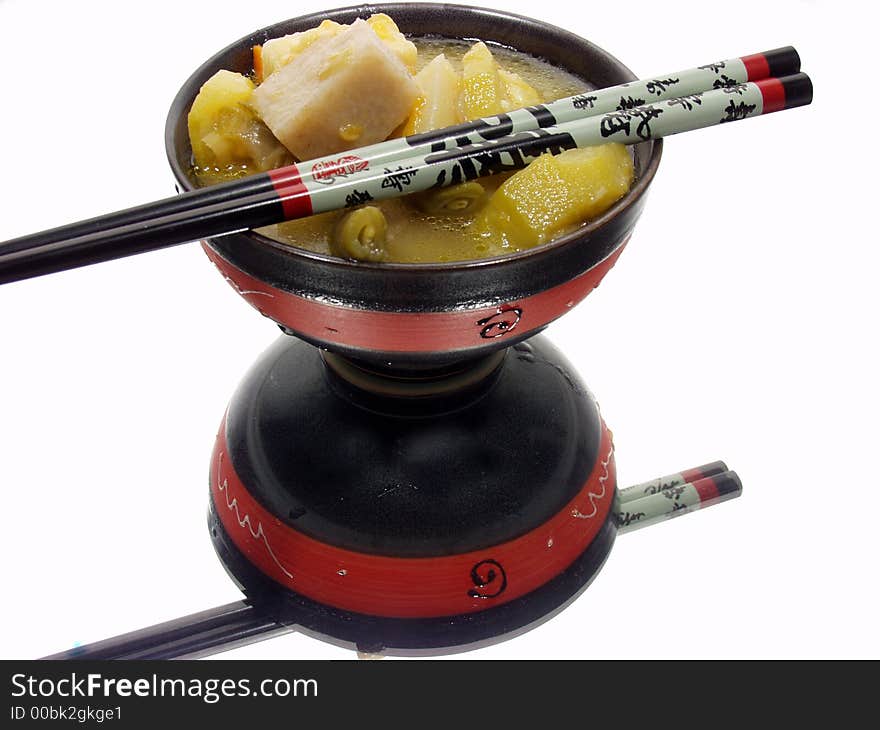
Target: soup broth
413	236
416	233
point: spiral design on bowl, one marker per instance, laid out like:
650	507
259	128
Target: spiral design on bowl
488	573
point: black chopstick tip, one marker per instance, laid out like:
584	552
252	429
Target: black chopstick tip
783	61
798	90
716	467
728	483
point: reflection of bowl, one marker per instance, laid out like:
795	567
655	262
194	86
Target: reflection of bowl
423	312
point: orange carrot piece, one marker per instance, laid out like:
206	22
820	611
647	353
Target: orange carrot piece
258	64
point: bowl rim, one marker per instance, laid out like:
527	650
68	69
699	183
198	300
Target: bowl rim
636	192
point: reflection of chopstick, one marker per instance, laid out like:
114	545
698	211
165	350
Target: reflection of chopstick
248	621
297	191
189	637
637	491
676	500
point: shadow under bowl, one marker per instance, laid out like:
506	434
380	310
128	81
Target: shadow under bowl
426	315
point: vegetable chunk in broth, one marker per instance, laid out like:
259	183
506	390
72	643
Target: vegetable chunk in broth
455	81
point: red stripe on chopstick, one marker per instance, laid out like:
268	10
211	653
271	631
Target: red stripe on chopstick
295	199
700	472
773	93
707	489
756	65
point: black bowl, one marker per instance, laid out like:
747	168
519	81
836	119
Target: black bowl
408	314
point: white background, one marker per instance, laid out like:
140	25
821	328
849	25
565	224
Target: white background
740	324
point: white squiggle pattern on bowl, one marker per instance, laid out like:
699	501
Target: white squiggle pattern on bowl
593	496
234	284
244	292
245	521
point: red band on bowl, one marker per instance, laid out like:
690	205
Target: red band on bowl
408	331
392	587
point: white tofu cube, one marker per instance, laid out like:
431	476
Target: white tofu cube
342	92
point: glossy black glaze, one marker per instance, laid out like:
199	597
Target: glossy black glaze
420	361
783	61
188	637
445	634
428	287
728	482
413	477
798	90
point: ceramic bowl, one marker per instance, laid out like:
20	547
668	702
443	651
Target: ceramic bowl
423	314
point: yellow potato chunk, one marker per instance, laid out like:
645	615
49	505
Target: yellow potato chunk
391	36
224	132
488	89
482	91
224	90
518	93
555	193
437	105
278	52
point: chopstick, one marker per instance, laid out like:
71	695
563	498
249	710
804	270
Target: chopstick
677	500
661	484
189	637
777	62
312	187
258	617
